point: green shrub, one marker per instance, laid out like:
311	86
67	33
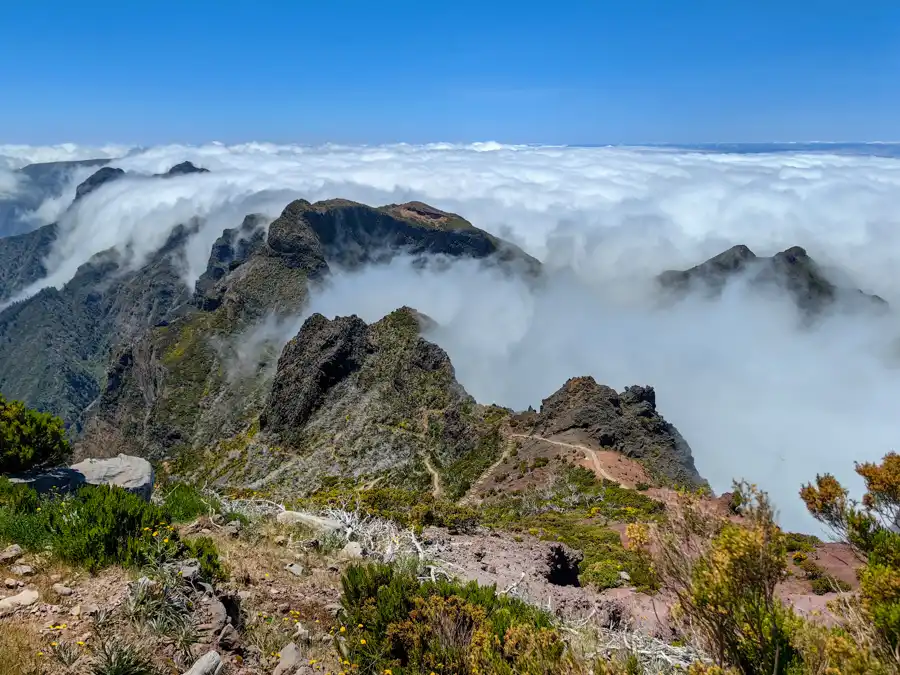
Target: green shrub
391	621
822	585
806	543
185	503
204	550
29	439
97	527
16	497
812	570
106	526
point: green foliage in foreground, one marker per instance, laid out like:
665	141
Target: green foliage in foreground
29	439
97	527
394	624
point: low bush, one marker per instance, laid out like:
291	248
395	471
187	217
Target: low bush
392	623
97	527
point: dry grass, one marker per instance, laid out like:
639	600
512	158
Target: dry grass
22	651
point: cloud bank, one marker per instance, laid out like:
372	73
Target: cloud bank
752	395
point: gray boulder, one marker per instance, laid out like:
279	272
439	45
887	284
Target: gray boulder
10	553
289	658
134	474
208	664
319	523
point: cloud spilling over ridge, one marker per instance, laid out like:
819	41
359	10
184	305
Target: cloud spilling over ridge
753	395
608	212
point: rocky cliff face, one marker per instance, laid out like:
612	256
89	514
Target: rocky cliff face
626	422
791	270
366	401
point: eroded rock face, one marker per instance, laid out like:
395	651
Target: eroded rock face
626	422
324	355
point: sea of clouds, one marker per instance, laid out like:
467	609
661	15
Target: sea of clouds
753	395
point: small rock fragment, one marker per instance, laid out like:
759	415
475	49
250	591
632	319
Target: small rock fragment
352	551
301	634
624	576
295	569
208	664
64	591
22	570
290	658
280	540
55	578
10	583
10	554
189	570
230	639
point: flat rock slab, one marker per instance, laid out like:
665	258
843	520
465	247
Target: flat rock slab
319	523
134	474
23	599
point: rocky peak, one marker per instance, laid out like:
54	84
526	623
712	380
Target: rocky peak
96	179
185	168
626	422
791	270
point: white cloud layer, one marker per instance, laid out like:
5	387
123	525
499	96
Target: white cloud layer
754	397
17	156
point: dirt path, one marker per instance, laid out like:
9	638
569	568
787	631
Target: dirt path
436	488
469	497
590	452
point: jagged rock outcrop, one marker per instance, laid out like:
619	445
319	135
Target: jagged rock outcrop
229	252
351	399
352	234
192	378
626	422
100	177
792	270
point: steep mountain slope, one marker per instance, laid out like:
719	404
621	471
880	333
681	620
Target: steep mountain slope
378	404
54	346
792	270
190	381
22	259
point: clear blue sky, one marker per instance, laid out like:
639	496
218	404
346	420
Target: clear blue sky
602	71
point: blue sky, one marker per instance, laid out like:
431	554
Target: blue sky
369	72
